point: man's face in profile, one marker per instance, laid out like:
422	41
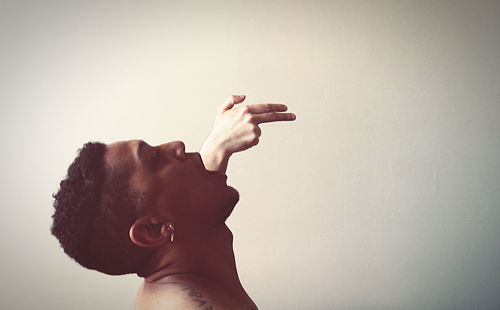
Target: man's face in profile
173	183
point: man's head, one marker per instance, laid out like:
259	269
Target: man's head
112	209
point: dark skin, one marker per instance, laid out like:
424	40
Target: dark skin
187	202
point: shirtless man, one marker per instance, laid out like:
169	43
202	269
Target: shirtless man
128	207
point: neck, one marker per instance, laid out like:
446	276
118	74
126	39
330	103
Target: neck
205	262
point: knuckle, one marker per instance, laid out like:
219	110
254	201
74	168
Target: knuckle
257	131
254	141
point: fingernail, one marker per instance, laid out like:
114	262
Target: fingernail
293	117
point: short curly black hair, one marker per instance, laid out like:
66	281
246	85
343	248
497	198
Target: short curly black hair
94	209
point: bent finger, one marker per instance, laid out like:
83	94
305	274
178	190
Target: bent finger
272	117
266	107
231	101
257	131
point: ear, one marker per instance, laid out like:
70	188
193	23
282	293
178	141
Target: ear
149	232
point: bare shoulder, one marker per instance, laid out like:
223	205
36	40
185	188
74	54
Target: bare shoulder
172	296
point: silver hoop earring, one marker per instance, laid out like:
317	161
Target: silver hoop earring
172	230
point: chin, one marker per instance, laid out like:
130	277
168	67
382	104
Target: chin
227	206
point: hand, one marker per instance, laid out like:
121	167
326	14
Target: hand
236	129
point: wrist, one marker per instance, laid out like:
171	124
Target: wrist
214	155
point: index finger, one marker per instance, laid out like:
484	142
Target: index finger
272	117
266	108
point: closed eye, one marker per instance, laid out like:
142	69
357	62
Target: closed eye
140	147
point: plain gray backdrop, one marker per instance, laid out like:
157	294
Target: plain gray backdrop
384	194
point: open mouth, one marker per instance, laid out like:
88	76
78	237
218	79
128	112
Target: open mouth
204	168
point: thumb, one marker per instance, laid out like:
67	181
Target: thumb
230	102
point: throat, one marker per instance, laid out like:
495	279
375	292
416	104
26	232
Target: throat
206	266
206	256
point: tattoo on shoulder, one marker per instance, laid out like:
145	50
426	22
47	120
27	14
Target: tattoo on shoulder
198	298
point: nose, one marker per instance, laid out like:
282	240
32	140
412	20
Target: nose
176	148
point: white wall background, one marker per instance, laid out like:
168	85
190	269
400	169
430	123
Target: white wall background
384	194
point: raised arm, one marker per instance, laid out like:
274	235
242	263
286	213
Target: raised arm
236	129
